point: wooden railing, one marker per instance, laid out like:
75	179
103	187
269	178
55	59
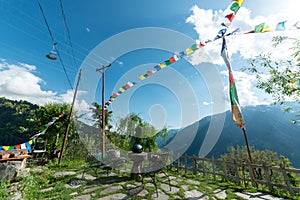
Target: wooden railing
242	173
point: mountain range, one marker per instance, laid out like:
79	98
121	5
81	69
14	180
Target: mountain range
267	127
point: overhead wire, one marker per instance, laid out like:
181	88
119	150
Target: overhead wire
51	35
68	32
81	52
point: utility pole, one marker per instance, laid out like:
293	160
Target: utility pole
102	69
69	120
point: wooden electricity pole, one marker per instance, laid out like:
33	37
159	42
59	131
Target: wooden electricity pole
69	120
102	69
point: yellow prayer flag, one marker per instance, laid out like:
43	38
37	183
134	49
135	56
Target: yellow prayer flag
30	142
142	77
162	65
188	51
240	2
5	148
121	89
266	28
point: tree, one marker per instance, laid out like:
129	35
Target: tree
16	124
54	134
97	114
259	157
280	79
137	131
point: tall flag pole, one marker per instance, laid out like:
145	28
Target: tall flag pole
237	116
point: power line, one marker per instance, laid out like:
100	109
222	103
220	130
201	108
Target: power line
81	52
53	41
68	32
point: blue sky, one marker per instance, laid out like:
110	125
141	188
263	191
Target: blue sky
176	96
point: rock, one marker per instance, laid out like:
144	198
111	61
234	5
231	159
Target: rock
220	194
83	197
194	194
47	189
11	169
111	189
60	174
114	196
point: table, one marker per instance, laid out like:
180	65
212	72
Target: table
137	166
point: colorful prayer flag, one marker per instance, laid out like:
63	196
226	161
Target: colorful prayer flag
181	54
162	65
172	60
28	146
142	77
194	47
149	73
176	58
167	62
112	98
121	89
280	26
237	116
157	67
235	7
201	44
258	28
5	148
230	17
188	51
240	2
23	146
266	28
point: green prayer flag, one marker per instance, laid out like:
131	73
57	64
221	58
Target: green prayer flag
235	7
194	47
167	62
259	28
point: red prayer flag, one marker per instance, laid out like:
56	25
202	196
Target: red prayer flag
201	44
230	17
149	73
172	60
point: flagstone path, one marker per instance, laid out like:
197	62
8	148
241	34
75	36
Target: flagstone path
112	187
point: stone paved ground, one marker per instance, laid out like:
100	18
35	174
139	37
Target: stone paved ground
114	187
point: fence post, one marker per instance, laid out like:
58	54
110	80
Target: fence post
178	164
225	170
213	168
203	167
185	164
251	174
237	176
194	165
267	176
286	179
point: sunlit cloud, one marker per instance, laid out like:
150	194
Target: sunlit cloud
19	82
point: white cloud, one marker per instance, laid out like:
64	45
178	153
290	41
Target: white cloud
208	22
18	82
205	103
245	85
